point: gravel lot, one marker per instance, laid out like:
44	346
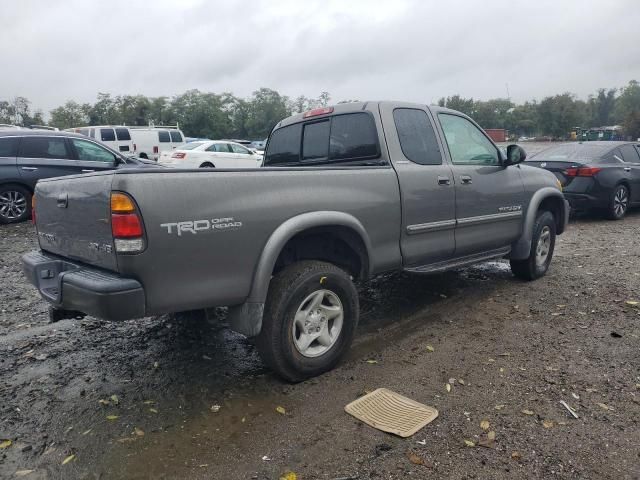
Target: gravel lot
140	399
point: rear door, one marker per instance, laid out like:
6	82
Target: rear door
176	139
426	185
123	140
44	157
223	156
490	198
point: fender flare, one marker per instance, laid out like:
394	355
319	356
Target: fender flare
247	318
521	248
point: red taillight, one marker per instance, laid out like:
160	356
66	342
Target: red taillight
135	147
155	149
317	111
582	172
179	155
125	225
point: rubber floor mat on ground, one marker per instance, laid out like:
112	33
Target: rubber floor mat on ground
391	412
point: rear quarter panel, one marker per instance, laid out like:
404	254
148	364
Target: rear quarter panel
216	267
9	171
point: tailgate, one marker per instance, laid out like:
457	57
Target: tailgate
73	219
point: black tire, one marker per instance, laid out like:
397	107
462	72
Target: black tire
144	155
287	293
530	268
207	165
618	203
12	198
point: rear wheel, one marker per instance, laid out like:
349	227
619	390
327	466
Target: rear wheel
619	203
543	242
207	165
15	203
309	320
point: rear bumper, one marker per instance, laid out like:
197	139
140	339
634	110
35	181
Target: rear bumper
581	201
73	286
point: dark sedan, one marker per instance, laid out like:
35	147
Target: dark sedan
595	176
26	156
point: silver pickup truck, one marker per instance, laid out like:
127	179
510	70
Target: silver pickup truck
346	192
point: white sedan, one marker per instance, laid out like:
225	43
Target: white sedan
211	154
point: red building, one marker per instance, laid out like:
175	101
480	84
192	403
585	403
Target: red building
497	134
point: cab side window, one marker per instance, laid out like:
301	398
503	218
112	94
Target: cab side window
467	143
416	135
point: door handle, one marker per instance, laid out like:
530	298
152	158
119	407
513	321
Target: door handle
30	169
86	170
627	169
443	180
466	179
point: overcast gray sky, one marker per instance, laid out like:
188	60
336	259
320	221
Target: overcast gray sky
53	51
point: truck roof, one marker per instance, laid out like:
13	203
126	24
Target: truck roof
359	106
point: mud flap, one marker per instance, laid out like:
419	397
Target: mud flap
246	318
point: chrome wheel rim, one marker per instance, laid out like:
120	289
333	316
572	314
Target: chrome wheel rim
13	204
543	246
620	202
317	323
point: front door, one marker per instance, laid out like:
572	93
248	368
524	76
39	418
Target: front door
245	158
91	157
426	185
490	198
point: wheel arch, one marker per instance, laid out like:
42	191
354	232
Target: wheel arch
547	198
18	183
329	226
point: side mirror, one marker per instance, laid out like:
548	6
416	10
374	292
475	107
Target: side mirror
515	154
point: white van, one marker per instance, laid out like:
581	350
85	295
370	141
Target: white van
149	142
118	137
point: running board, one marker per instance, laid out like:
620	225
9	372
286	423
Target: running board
460	262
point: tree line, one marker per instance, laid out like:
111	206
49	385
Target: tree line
213	115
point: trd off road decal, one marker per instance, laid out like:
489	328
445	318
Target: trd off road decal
196	226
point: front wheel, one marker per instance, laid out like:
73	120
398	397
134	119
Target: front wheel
207	165
309	320
619	203
543	242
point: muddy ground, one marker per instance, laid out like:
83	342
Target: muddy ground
520	348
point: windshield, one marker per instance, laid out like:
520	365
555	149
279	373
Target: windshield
191	145
570	152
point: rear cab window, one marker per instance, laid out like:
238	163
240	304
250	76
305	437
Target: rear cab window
163	136
349	138
9	146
